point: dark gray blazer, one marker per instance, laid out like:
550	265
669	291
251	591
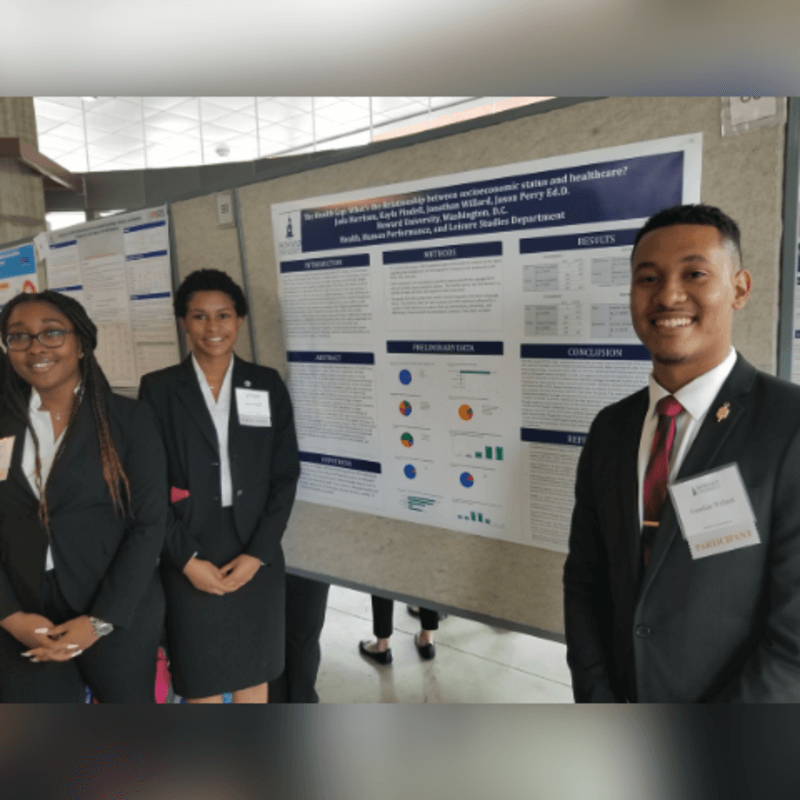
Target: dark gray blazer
104	562
723	628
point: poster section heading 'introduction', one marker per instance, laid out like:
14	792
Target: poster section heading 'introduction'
119	269
17	272
450	340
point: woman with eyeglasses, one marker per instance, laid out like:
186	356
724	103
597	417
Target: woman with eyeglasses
82	516
229	434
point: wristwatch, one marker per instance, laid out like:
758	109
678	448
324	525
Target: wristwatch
100	627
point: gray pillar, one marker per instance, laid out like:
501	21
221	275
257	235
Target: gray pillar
21	191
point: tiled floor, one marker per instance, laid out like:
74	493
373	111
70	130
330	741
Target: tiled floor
475	663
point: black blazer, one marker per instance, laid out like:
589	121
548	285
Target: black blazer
723	628
104	562
264	462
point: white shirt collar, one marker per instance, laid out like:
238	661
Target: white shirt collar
35	403
201	377
698	395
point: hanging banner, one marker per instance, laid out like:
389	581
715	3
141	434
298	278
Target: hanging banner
449	340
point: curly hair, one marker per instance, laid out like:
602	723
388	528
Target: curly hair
696	214
95	387
209	280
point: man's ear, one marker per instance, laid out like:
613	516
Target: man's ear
742	286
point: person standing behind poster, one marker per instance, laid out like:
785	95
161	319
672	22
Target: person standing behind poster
228	429
659	607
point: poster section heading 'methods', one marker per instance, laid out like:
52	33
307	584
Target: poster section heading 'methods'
450	339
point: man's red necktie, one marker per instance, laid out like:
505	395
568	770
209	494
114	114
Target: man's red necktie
655	478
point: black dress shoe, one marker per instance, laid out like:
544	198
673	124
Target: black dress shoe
426	651
382	657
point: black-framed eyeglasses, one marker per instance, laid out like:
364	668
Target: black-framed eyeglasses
52	337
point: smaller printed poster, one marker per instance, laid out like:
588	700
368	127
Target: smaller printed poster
17	272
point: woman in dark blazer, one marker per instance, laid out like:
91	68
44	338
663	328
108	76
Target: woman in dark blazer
82	516
233	467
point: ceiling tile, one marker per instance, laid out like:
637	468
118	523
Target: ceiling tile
162	103
238	122
276	112
115	141
74	133
189	108
68	102
75	161
297	103
229	104
54	146
98	125
44	125
122	108
155	135
56	111
344	113
167	121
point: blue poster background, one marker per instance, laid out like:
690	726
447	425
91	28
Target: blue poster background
606	191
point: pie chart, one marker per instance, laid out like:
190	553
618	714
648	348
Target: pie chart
407	439
465	412
466	480
410	471
405	377
405	408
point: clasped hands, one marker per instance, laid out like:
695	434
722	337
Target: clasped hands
48	642
207	577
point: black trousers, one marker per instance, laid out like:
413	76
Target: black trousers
306	603
383	614
118	668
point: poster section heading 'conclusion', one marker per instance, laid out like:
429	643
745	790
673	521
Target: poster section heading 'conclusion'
451	339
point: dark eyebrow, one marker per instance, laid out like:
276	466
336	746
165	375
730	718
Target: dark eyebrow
20	322
693	258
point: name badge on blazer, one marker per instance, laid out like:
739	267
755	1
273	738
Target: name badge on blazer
253	407
714	512
6	449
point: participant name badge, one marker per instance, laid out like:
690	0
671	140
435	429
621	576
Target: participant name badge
6	449
714	512
253	407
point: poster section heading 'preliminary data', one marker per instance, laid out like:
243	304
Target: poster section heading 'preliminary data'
17	272
450	340
119	269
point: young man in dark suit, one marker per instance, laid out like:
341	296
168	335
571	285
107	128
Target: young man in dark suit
646	619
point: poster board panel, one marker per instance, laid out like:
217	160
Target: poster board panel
516	584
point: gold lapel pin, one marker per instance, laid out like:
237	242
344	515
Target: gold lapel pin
723	411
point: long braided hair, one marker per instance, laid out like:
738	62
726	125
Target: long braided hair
94	387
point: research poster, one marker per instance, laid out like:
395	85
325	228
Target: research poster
17	272
450	340
119	269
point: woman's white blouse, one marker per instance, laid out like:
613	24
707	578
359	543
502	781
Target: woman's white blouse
220	411
48	445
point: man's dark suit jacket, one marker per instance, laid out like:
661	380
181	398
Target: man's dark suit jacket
103	562
264	461
722	628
